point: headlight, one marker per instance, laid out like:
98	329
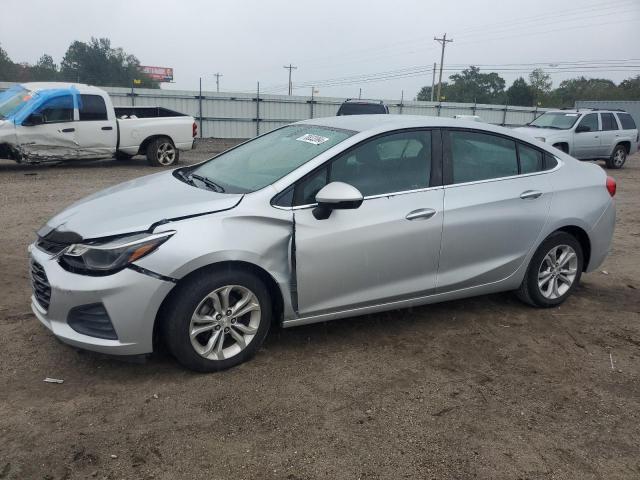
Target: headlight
542	139
111	256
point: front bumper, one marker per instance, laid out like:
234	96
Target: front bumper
131	300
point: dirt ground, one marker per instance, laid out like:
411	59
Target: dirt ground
482	388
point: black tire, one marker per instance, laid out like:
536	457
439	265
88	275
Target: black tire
529	291
176	321
617	158
158	148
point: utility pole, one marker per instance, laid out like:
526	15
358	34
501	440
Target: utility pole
290	67
360	94
433	80
443	41
217	75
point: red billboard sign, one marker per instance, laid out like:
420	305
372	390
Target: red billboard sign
159	74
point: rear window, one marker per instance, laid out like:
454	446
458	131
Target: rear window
361	109
92	107
626	121
608	121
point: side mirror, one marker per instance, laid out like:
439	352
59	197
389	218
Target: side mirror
336	196
583	128
33	119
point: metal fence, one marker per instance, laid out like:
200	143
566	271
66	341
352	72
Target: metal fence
244	115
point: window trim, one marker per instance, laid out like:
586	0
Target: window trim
448	159
436	174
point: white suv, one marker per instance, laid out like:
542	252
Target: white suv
588	134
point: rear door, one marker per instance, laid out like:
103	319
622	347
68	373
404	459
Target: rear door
96	132
609	135
495	207
587	144
55	137
388	248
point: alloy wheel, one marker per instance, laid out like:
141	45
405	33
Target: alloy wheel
224	322
557	271
166	153
619	157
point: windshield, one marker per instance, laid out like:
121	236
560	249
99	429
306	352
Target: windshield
260	162
558	120
13	100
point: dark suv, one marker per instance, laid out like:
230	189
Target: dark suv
362	107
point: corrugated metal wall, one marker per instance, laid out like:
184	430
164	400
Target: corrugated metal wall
240	115
633	107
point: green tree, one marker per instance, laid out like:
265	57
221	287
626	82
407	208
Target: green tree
97	63
44	70
424	95
520	93
541	83
470	86
582	88
629	89
8	69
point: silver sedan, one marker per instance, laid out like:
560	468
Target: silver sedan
319	220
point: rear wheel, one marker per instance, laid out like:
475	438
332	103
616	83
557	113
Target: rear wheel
553	272
217	320
618	157
161	152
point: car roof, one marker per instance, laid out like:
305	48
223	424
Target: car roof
587	110
40	86
363	101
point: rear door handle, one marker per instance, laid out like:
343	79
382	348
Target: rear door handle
421	214
107	128
67	130
530	194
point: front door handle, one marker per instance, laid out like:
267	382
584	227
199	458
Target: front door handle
67	130
530	194
421	214
107	128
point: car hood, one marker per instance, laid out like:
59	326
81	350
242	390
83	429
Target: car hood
134	206
539	132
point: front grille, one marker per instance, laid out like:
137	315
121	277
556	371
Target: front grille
50	247
40	285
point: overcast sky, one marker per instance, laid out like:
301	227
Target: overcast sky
251	40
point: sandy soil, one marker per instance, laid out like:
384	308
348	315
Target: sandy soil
482	388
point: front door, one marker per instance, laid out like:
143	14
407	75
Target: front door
496	205
53	137
587	144
388	248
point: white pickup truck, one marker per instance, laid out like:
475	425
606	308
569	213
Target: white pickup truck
588	134
53	122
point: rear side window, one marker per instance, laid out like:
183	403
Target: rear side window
530	159
626	121
480	156
92	107
608	121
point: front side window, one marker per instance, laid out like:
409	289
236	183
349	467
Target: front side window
626	121
57	109
590	121
555	120
480	156
92	107
389	164
608	121
260	162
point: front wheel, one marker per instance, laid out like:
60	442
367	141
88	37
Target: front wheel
216	320
554	271
618	157
161	152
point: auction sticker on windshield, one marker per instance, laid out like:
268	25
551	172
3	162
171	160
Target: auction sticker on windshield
315	139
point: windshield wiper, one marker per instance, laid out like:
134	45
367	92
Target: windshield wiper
184	177
207	181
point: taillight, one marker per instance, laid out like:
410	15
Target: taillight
611	186
194	129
